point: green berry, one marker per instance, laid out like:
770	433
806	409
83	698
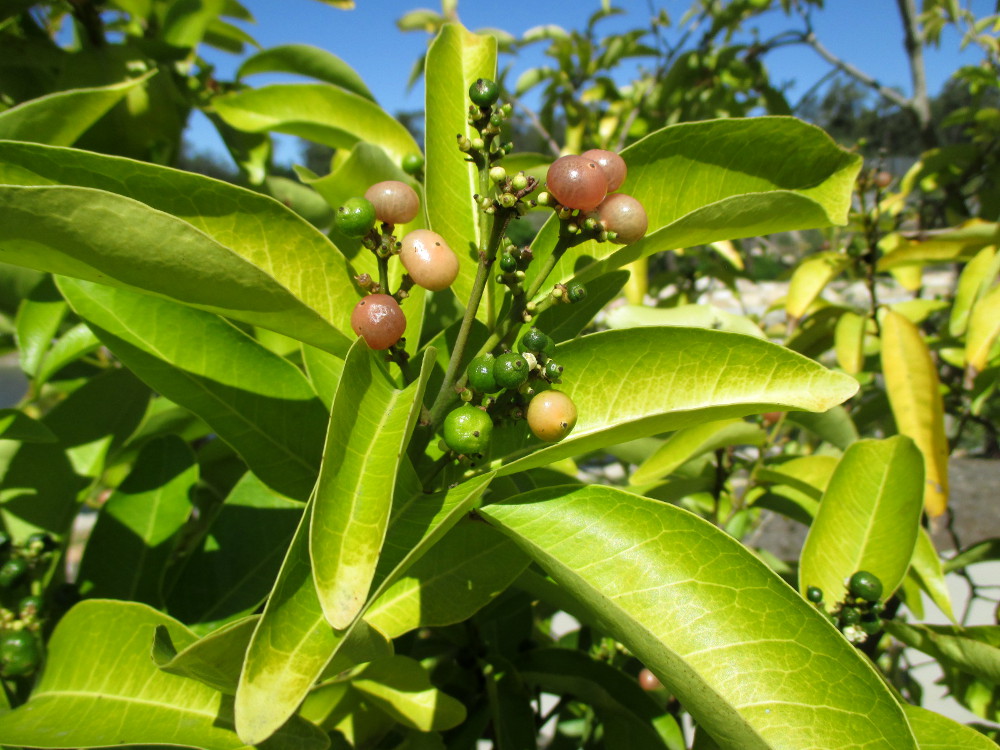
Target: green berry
18	654
498	174
484	92
814	594
576	292
480	374
871	627
29	606
508	264
865	585
850	616
40	541
510	370
12	571
467	430
413	163
553	371
356	217
535	340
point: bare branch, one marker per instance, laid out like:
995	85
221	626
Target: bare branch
857	74
536	124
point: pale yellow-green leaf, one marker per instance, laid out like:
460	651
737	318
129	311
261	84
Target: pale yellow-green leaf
849	342
975	279
691	442
810	278
984	327
401	687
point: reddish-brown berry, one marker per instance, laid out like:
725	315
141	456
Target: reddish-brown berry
379	320
395	202
612	164
649	681
551	415
577	182
623	215
428	259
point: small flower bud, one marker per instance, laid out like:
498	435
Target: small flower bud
520	181
498	174
507	200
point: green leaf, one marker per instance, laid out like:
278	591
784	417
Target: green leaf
936	732
849	342
691	442
99	671
975	650
929	572
197	240
232	569
215	660
317	112
975	279
137	529
868	518
370	423
644	381
808	474
810	278
304	201
701	182
16	425
68	348
744	653
562	323
401	688
835	425
38	320
324	371
59	118
221	374
186	21
272	686
305	60
456	58
693	316
984	329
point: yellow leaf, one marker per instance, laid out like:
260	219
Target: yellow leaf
727	249
984	327
809	278
972	284
915	397
849	341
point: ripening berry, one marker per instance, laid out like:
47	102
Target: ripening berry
882	179
612	164
395	202
551	415
623	215
649	681
379	320
428	259
577	182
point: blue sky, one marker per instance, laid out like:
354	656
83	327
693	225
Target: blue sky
866	33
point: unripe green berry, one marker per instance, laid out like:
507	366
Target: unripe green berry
814	594
850	616
19	655
576	292
865	585
484	92
534	340
480	373
519	181
510	370
356	217
478	144
413	163
508	264
507	200
553	371
12	571
498	174
467	430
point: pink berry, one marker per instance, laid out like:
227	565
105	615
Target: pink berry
577	182
612	164
428	259
623	215
395	202
379	320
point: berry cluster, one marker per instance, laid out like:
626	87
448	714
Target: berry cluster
857	614
523	379
425	255
24	565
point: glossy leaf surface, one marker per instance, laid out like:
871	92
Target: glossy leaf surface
690	442
214	660
810	278
196	240
694	316
218	372
38	319
305	60
744	653
401	687
936	732
99	672
868	518
914	393
639	382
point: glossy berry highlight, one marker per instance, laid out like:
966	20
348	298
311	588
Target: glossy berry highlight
379	320
427	258
611	163
395	202
577	182
480	374
865	585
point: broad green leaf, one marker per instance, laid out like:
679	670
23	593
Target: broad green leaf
984	551
197	240
59	118
456	58
849	342
370	423
258	402
227	37
810	278
185	23
809	474
138	527
741	650
984	328
214	660
911	381
563	323
68	348
694	316
936	732
644	381
835	425
317	112
918	310
401	687
230	571
16	425
929	572
868	518
324	371
305	60
302	199
690	442
456	578
975	279
950	245
975	650
700	182
272	685
38	319
99	671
